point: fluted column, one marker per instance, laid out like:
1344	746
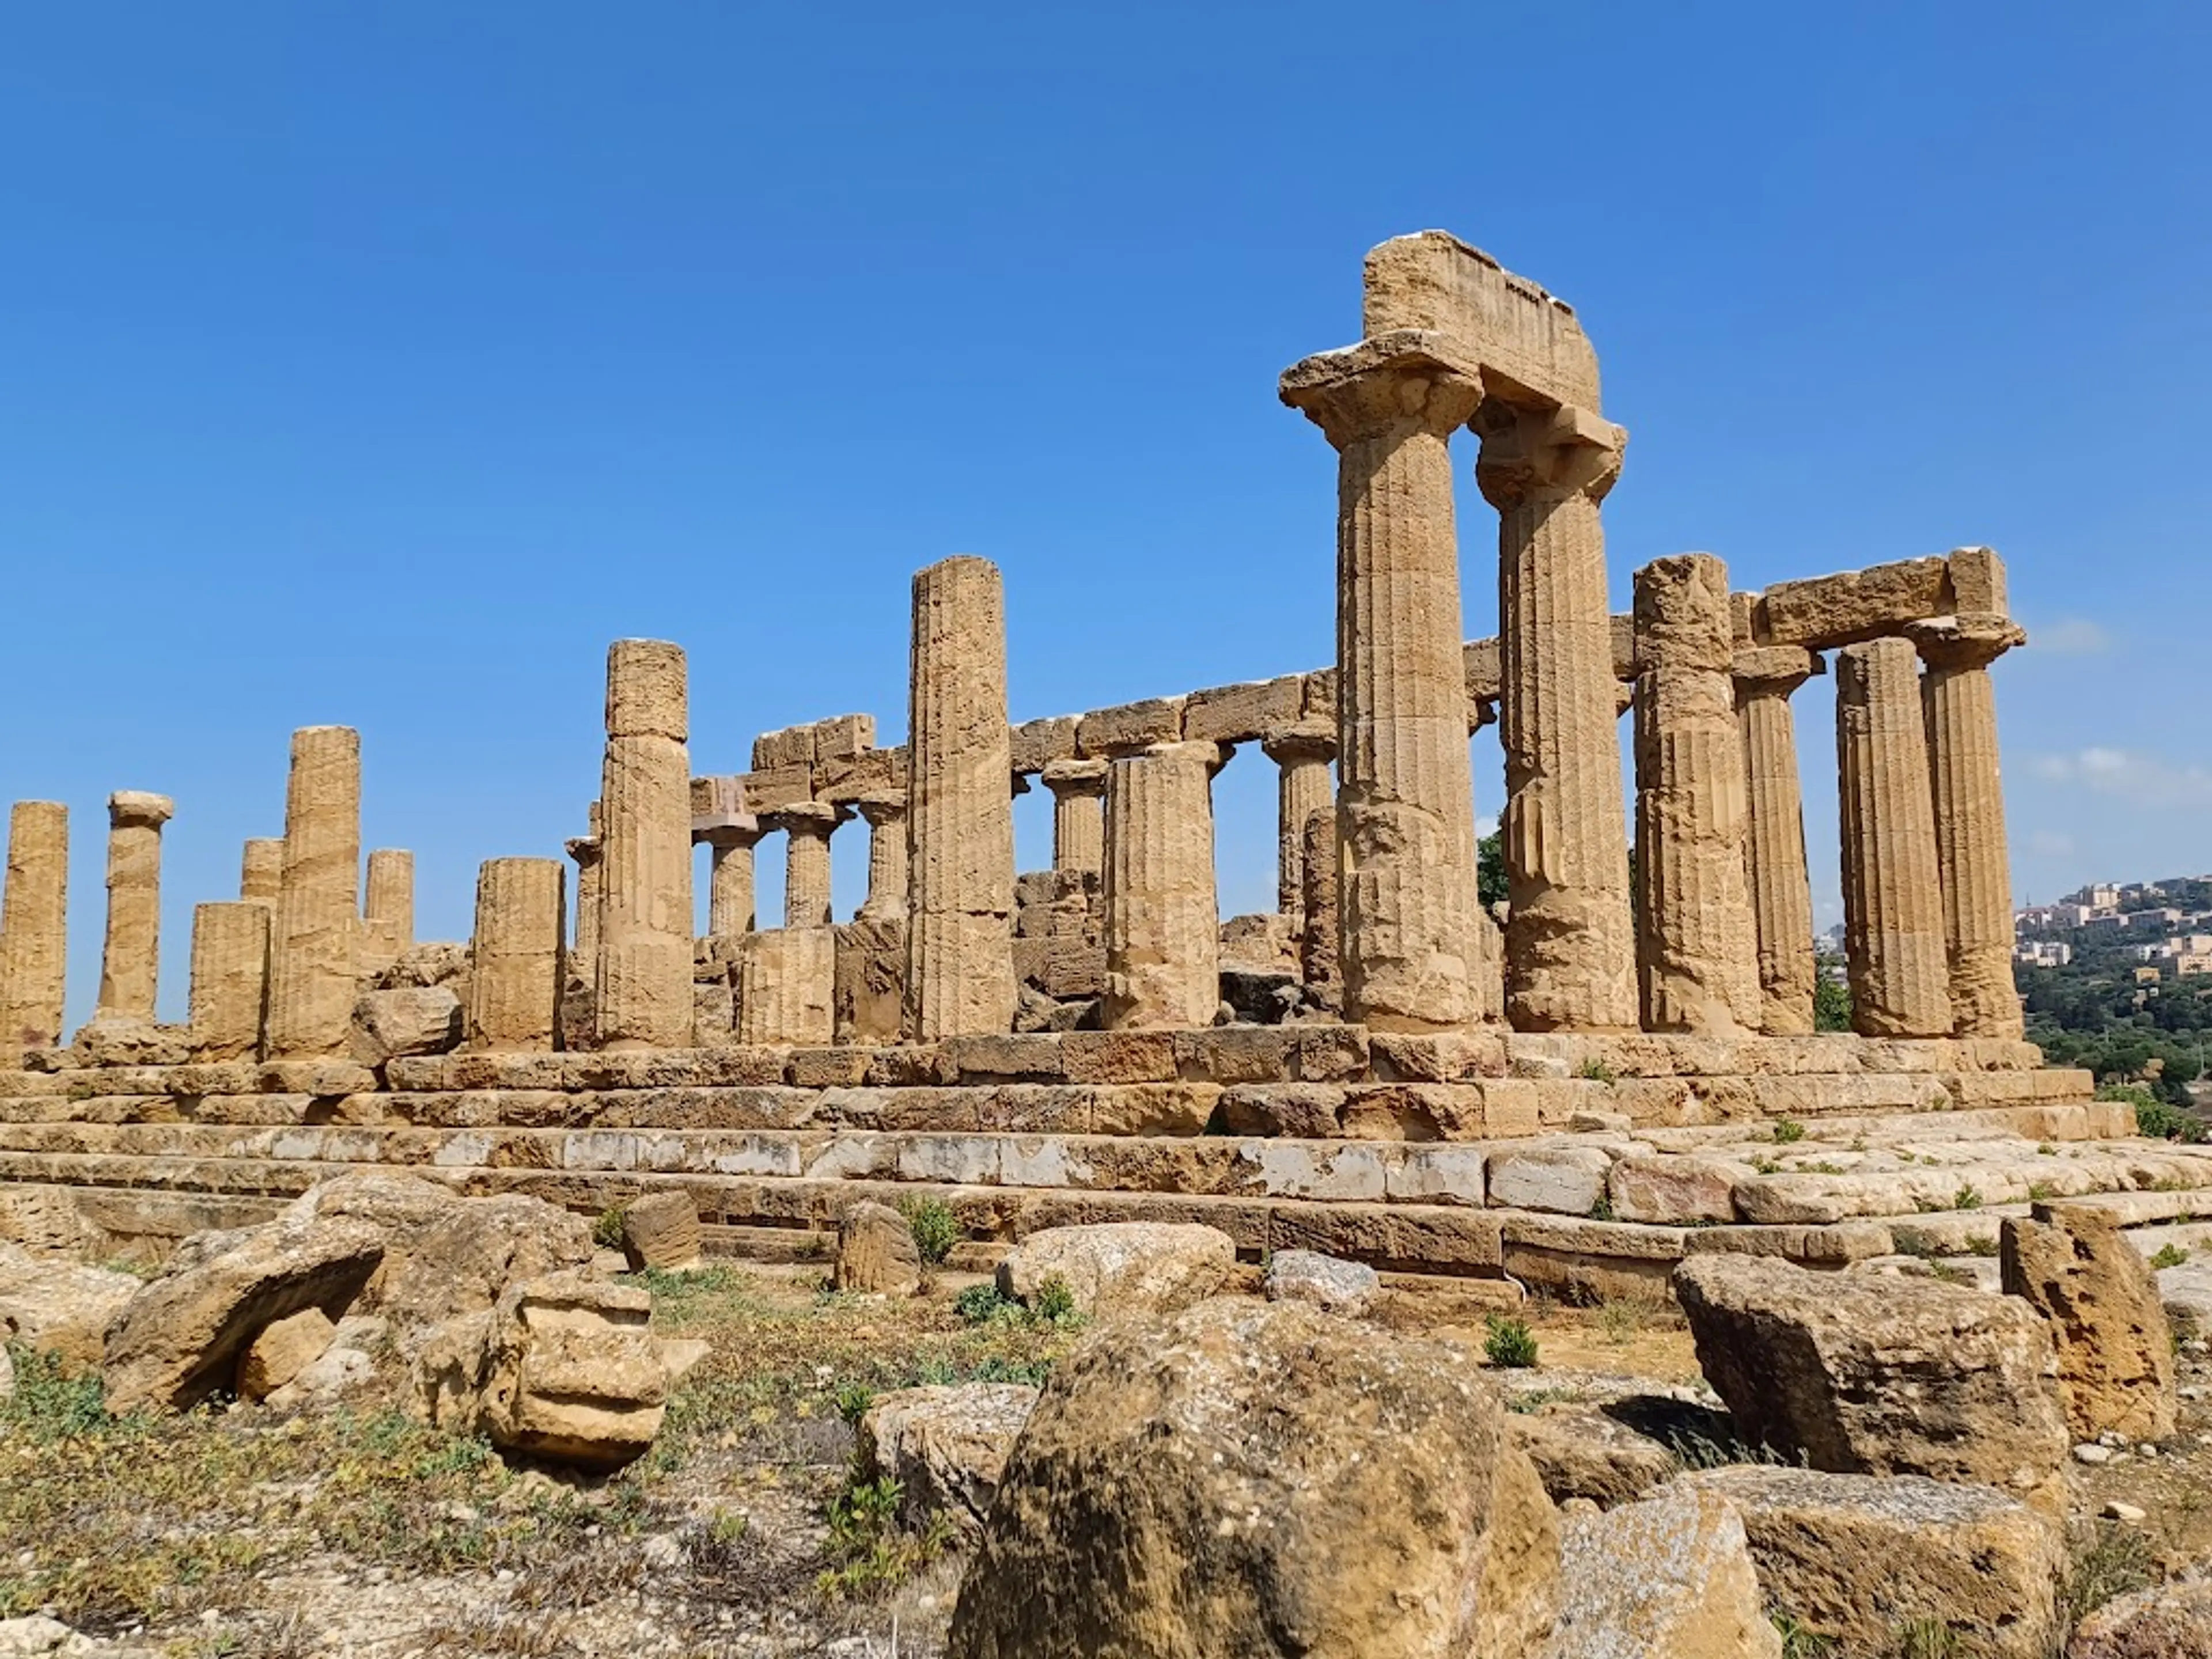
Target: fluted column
1774	839
230	978
644	975
315	944
1302	753
731	908
1973	857
886	818
130	959
1163	930
387	908
787	986
261	870
1405	795
34	927
1320	927
515	955
1078	814
1892	896
1697	949
806	827
960	811
1570	944
589	853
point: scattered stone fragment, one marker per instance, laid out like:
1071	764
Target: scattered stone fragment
2073	1265
2171	1621
1329	1282
413	1020
1113	1267
59	1306
2132	1514
876	1252
1580	1452
1668	1577
661	1232
946	1447
282	1350
2091	1453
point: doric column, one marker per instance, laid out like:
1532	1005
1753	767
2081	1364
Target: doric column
1162	931
230	978
588	852
1318	934
515	955
1697	949
130	958
1774	839
960	811
1078	814
731	908
1405	794
787	986
387	908
886	817
1975	864
313	948
261	870
1303	753
644	975
34	927
807	826
1892	896
1570	944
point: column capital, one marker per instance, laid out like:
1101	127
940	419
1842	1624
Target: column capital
1481	712
1409	379
741	831
1212	755
137	808
882	807
1774	670
1972	639
584	849
1563	449
805	818
1074	779
1306	740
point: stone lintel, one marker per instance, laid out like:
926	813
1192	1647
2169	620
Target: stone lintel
1528	342
1825	613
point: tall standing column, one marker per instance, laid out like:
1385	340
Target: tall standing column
1078	814
261	870
886	817
731	908
1892	896
130	960
1162	931
35	926
315	946
1405	792
644	976
387	908
807	827
960	810
515	955
1570	944
1697	948
1303	752
230	978
1974	862
1774	843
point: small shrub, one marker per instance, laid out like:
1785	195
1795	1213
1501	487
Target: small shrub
1594	1070
2045	1149
2040	1190
1984	1246
1801	1641
2154	1118
936	1229
854	1399
607	1230
1509	1343
1967	1198
2108	1561
1764	1164
1602	1210
49	1404
1054	1304
981	1304
1620	1322
2169	1256
1787	1130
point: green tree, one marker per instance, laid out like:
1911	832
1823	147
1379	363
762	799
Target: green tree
1490	869
1831	999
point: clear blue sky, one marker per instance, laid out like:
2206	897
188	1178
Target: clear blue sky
380	364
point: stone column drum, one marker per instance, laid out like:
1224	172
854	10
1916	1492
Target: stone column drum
35	926
807	827
230	979
1078	814
387	908
960	810
515	955
1303	752
1892	897
1971	855
315	946
1570	944
1405	794
731	908
1697	948
1774	843
643	998
1318	932
787	986
261	870
886	819
1163	930
130	960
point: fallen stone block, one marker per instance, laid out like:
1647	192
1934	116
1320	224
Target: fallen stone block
2073	1265
58	1306
661	1232
877	1254
1579	1453
946	1447
1329	1282
282	1350
2170	1621
1114	1267
1667	1577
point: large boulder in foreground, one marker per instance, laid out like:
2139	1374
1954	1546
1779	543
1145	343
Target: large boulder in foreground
946	1447
1249	1480
2173	1621
1873	1376
58	1306
1117	1266
2073	1265
1670	1577
1859	1561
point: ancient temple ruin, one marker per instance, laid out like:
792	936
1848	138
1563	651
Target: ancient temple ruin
1575	1093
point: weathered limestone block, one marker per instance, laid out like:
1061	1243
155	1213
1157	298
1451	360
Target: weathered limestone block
517	954
130	957
313	947
387	908
945	1446
1774	843
1697	946
1114	1267
2169	1621
1822	613
1670	1577
806	827
661	1232
58	1306
1108	733
1078	814
876	1252
261	870
786	986
644	970
282	1350
1243	713
1322	918
1301	751
35	926
870	986
960	972
1329	1282
2074	1265
417	1019
1582	1453
1398	1523
1163	934
1564	1180
230	978
1893	898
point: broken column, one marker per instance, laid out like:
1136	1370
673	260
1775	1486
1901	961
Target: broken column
1774	840
316	939
1303	752
1078	814
515	955
807	826
261	870
586	851
1972	859
230	978
787	986
1163	930
1892	897
1697	950
886	818
35	926
960	808
643	995
1405	794
130	958
387	909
